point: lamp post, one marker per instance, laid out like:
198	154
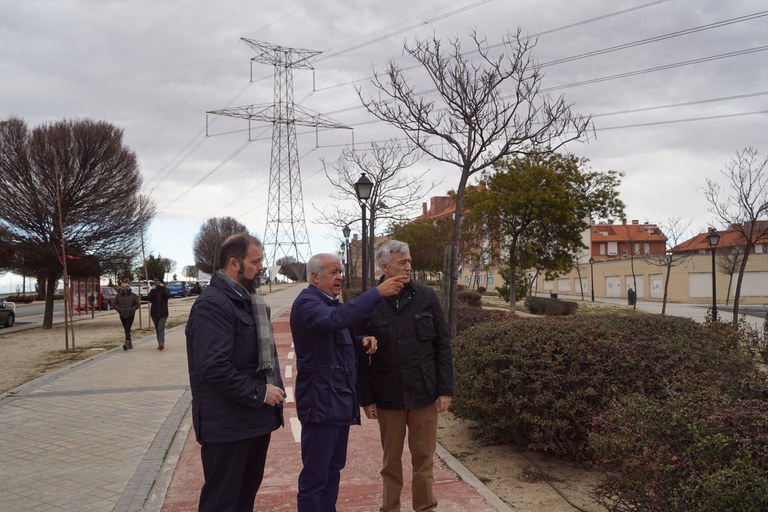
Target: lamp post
592	276
363	189
713	238
346	232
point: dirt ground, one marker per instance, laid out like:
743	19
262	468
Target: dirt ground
525	481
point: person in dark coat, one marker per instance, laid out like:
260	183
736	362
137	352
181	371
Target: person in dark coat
326	379
408	381
234	374
158	297
126	304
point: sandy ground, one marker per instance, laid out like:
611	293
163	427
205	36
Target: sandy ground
526	481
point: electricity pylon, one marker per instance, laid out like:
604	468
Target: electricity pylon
286	230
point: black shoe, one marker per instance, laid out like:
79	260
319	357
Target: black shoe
160	347
125	347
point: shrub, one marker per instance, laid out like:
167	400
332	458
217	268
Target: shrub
481	290
467	316
470	298
701	451
20	299
539	383
550	307
674	412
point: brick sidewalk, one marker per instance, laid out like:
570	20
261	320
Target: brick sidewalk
360	488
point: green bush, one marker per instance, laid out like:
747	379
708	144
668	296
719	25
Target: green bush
539	383
674	412
470	298
700	451
550	307
467	316
20	299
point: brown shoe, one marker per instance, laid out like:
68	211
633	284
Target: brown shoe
160	347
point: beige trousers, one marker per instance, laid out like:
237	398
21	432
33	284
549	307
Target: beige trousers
421	425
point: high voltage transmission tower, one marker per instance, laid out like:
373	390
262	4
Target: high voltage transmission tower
286	230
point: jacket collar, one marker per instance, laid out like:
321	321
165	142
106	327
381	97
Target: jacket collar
327	298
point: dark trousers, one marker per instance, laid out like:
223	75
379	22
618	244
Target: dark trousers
160	330
127	323
233	473
324	455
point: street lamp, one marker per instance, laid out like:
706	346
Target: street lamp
363	189
713	238
592	276
346	232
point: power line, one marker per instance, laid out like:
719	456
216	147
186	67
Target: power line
654	69
686	120
550	31
654	39
403	30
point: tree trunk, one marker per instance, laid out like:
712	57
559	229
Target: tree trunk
666	287
728	293
50	291
454	267
512	278
737	294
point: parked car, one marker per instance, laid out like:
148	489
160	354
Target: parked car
178	288
141	288
195	288
107	296
7	313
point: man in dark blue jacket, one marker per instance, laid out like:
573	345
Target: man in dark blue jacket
408	381
326	379
237	391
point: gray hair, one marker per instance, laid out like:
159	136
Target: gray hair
315	263
385	250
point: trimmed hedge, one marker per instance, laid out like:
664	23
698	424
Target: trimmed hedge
470	298
539	383
550	307
467	316
20	299
675	412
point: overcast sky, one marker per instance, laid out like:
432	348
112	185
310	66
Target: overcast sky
669	112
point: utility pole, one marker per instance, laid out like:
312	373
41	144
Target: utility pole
286	230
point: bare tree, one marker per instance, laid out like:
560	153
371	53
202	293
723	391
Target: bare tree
190	271
729	263
743	207
676	232
98	181
207	244
474	121
394	192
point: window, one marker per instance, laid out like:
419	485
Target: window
602	249
489	280
468	281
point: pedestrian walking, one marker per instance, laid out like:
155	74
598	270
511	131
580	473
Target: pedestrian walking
158	311
126	304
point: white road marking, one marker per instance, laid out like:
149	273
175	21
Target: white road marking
296	429
289	394
290	355
288	371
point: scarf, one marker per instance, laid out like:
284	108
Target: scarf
261	313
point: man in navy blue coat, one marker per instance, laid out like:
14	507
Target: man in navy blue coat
237	391
326	380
